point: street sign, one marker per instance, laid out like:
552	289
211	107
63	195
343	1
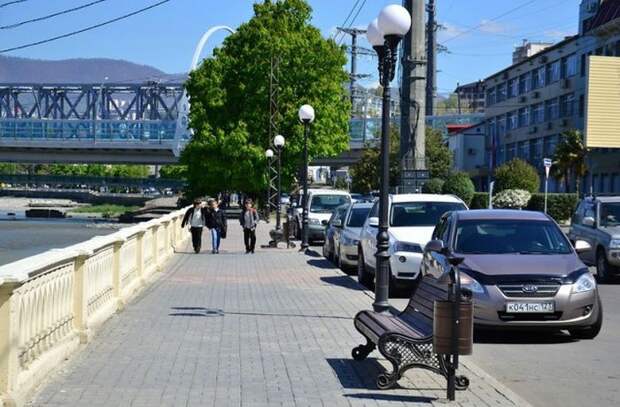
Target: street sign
547	163
416	174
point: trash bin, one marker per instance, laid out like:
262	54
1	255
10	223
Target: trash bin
442	327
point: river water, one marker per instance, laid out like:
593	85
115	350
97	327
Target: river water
23	238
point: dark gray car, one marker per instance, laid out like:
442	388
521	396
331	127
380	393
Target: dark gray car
597	221
521	270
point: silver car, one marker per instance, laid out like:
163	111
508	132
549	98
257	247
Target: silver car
597	221
521	270
346	237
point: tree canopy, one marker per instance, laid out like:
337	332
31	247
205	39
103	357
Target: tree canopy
569	159
365	173
230	94
438	155
517	174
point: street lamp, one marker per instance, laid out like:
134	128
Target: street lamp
306	116
384	33
278	142
269	155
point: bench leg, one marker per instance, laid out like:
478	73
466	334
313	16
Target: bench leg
361	352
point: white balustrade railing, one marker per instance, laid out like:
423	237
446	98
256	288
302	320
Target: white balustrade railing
52	302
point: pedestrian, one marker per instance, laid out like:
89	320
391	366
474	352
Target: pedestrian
196	217
216	222
249	220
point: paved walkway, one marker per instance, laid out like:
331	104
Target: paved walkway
269	329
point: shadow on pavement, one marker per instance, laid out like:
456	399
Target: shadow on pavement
322	264
522	337
393	397
313	253
343	281
213	312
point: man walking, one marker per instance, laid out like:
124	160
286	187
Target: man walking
217	224
249	220
196	218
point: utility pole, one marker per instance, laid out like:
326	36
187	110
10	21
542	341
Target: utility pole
431	59
273	131
355	51
412	140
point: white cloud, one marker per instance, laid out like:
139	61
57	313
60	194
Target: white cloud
557	34
450	30
492	27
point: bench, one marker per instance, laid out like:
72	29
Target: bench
406	339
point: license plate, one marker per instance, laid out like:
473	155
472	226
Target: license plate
530	307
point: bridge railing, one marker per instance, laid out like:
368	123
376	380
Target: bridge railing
53	302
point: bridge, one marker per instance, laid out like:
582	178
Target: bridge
93	123
91	181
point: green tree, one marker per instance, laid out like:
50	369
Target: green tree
517	174
433	186
461	185
229	96
365	173
173	171
569	159
438	156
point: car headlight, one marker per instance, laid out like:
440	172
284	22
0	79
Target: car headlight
614	244
349	241
584	283
314	221
471	284
407	247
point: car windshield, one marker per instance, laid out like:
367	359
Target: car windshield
327	203
421	213
358	217
487	236
610	214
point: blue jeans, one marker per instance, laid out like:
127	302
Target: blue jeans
215	239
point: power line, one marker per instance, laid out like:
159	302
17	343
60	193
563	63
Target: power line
67	11
12	2
346	20
527	3
92	27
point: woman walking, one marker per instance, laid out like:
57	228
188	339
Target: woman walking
196	218
216	222
249	220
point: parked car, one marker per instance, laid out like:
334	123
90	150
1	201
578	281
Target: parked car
347	235
412	218
332	229
321	203
285	199
520	269
597	221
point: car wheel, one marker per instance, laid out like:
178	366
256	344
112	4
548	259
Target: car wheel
341	266
593	330
363	276
325	252
602	266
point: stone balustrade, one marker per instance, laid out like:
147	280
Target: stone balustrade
52	302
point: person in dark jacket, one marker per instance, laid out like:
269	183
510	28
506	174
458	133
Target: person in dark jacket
249	220
196	218
217	224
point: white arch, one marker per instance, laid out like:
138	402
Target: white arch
203	42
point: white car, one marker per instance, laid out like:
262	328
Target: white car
412	219
321	204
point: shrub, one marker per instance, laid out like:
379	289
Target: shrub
460	184
517	174
559	206
433	186
511	199
480	201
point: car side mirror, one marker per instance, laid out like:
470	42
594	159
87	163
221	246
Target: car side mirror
337	223
435	245
589	221
373	222
582	246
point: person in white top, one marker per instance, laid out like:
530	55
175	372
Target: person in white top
195	217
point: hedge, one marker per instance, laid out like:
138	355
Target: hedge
480	201
517	174
559	206
433	186
460	184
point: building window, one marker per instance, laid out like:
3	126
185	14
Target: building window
582	105
567	105
553	72
617	49
552	109
538	113
524	117
538	78
501	92
548	150
598	51
512	88
501	126
536	149
583	65
512	120
569	66
523	150
491	96
510	151
609	50
525	83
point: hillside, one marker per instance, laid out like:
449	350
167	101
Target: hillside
94	70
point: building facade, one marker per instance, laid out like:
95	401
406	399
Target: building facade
531	103
470	97
528	49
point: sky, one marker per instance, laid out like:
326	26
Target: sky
480	35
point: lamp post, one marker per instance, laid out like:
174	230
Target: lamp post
278	142
384	33
269	155
306	116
